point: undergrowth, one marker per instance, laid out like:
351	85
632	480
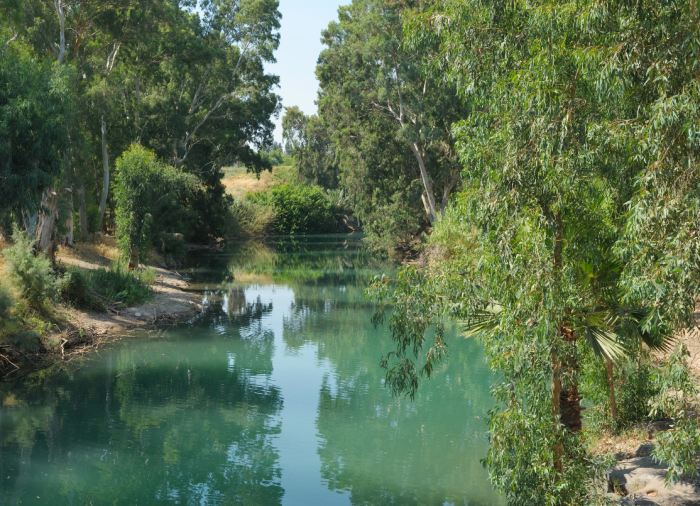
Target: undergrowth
94	289
32	276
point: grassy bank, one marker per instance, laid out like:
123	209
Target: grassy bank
47	309
279	203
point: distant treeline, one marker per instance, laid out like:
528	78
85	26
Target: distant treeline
84	81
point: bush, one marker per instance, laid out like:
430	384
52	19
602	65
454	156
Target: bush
6	305
148	194
250	217
299	209
31	275
120	285
640	386
76	291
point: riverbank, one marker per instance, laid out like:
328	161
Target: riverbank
76	331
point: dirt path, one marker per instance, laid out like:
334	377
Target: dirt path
171	302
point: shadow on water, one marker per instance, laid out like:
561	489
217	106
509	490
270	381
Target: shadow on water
272	396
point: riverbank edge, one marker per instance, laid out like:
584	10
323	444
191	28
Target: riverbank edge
78	332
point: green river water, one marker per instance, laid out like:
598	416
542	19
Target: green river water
272	396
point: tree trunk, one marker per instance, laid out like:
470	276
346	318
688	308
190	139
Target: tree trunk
45	236
70	225
570	400
611	387
105	164
61	12
431	208
133	258
84	226
556	399
556	363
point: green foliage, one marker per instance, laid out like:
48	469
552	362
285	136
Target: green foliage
299	209
389	122
308	141
148	195
679	446
250	217
94	216
32	276
119	284
35	101
7	303
566	128
634	395
76	291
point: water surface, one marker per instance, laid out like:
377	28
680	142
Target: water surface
272	396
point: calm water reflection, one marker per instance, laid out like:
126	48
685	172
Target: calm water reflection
273	396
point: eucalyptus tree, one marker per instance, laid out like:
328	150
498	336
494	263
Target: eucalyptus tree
35	102
367	75
309	140
581	142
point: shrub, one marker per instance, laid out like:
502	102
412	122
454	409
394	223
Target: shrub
76	290
251	217
120	285
299	209
147	193
31	275
640	386
6	305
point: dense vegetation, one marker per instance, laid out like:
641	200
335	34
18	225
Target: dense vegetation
551	148
571	250
83	81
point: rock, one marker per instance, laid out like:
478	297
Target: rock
624	456
659	426
642	501
137	315
641	481
644	450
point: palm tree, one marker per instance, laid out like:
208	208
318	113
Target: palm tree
610	328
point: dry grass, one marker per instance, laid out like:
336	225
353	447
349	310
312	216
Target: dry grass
238	182
100	249
627	441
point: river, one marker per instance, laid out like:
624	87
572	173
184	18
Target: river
272	396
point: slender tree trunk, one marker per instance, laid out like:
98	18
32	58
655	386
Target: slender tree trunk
82	210
570	401
611	386
431	208
68	240
49	214
105	164
556	398
133	258
46	227
556	364
61	12
70	225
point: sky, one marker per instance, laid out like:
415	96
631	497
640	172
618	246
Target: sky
300	45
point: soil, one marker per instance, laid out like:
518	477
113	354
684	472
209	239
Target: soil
84	331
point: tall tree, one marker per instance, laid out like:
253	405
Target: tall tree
572	119
368	75
35	102
309	140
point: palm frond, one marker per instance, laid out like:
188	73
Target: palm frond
603	342
482	321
